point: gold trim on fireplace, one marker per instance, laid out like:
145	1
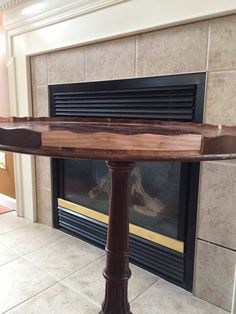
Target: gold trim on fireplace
136	230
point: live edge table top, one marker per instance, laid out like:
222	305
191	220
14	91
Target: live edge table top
117	139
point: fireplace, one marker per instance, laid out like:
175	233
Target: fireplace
163	195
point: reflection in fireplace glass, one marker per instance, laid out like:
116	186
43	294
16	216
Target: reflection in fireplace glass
154	191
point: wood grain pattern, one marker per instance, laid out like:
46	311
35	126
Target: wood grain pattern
118	139
138	142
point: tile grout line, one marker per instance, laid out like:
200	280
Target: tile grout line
208	46
77	290
58	281
31	262
222	70
28	224
80	269
42	247
62	281
33	296
81	294
216	244
20	255
12	260
52	275
60	238
39	248
135	57
144	291
85	64
222	162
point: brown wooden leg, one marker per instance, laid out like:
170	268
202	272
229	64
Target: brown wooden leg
117	272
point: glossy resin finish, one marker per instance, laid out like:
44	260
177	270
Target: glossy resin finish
117	139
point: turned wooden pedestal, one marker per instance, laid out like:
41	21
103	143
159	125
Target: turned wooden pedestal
117	272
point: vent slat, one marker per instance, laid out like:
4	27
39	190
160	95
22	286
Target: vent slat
138	89
144	110
133	115
135	97
143	105
128	101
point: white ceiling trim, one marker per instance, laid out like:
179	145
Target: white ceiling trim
52	12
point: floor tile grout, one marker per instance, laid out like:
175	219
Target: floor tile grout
52	275
144	291
85	266
17	228
29	224
56	283
41	247
33	296
80	293
12	260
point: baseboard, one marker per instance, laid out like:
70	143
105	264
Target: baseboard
7	201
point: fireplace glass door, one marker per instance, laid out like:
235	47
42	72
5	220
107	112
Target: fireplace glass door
154	199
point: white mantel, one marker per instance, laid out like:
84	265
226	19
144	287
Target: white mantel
135	15
37	26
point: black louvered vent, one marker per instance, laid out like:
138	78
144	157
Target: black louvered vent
166	103
171	97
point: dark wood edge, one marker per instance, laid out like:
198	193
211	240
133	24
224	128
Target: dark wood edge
25	138
119	156
215	145
114	120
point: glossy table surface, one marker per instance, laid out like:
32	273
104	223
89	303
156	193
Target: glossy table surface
117	139
121	143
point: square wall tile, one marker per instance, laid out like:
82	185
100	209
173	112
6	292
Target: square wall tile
214	274
39	70
66	66
110	60
43	172
44	205
220	98
222	47
40	101
174	50
217	204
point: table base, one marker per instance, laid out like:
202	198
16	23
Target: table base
117	272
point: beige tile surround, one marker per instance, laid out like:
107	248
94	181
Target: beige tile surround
203	46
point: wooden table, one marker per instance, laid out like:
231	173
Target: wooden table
120	143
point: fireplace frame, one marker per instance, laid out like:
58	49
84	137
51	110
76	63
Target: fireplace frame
184	263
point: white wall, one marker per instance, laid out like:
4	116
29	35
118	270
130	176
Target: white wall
4	91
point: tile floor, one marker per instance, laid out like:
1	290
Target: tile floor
46	271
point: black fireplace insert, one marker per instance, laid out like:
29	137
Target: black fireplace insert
163	195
